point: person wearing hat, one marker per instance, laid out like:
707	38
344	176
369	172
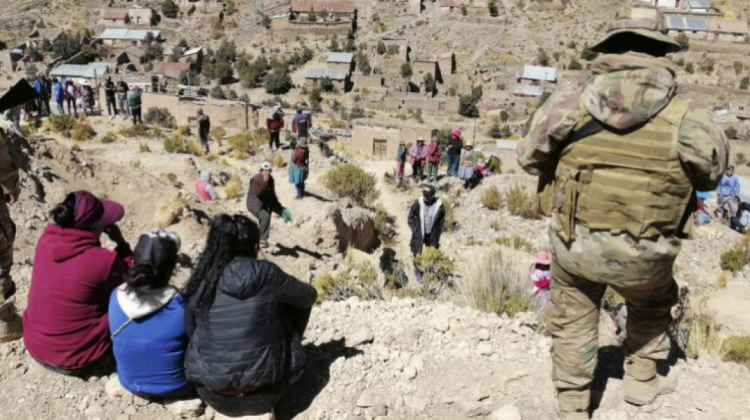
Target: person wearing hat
453	154
434	156
300	167
134	102
418	155
109	93
65	322
274	124
147	322
618	160
426	221
401	155
539	275
262	201
204	128
302	123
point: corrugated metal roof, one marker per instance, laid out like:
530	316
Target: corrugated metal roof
192	51
317	6
698	4
686	23
323	73
506	144
528	90
547	74
87	71
128	34
340	57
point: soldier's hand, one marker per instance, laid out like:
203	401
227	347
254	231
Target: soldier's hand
13	197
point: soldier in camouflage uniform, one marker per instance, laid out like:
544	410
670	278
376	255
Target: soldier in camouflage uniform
618	161
10	323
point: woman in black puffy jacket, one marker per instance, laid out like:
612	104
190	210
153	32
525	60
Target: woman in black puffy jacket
245	319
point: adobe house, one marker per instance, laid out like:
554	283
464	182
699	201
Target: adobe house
172	70
193	55
340	78
131	55
340	61
420	67
447	63
380	138
143	16
123	37
720	29
337	10
112	16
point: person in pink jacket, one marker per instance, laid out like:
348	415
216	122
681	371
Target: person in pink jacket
418	153
434	155
65	323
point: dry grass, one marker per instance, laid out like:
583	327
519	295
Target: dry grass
498	285
736	258
233	187
110	137
437	269
736	349
356	278
278	160
521	203
352	182
143	148
177	143
515	242
722	280
491	198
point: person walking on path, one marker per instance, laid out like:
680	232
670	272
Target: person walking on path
11	327
246	319
300	167
301	124
71	96
434	156
426	222
122	98
262	201
204	129
274	124
110	93
618	160
401	155
728	192
58	92
455	147
134	101
418	155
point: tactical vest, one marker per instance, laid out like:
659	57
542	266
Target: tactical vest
625	182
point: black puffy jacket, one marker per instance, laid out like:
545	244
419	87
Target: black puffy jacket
252	334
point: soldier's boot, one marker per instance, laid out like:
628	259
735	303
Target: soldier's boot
573	404
11	327
644	382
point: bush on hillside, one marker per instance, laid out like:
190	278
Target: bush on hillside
515	242
110	137
521	203
136	131
736	349
491	198
60	124
82	130
437	269
349	181
176	143
161	117
233	187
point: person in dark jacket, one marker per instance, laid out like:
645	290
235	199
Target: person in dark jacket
455	146
109	92
300	167
40	86
65	324
274	124
134	102
262	201
426	221
204	128
147	322
245	319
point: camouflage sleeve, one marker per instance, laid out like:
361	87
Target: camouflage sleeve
549	129
9	177
703	149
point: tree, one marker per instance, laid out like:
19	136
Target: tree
731	133
504	117
267	21
46	45
232	95
311	17
467	106
392	49
227	52
218	93
90	53
684	41
334	46
169	9
542	58
363	63
66	45
223	72
430	85
495	132
406	73
315	98
350	46
277	82
464	11
575	65
689	68
381	48
745	83
326	84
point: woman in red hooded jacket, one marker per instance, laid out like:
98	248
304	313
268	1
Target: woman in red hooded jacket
65	323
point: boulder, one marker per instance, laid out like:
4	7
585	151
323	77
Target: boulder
186	409
507	412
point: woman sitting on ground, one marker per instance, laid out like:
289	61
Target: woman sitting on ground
245	319
65	323
147	322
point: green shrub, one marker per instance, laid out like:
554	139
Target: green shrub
175	143
60	124
82	130
110	137
491	198
160	117
360	280
451	223
731	133
722	281
521	203
437	269
740	158
736	349
352	182
515	242
136	131
218	133
143	148
495	166
384	225
734	260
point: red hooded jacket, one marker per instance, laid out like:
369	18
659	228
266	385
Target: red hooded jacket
65	323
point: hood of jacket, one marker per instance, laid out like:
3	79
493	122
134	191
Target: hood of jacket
628	89
69	243
243	277
144	302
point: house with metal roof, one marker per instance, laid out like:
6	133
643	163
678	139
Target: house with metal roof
528	90
340	61
340	78
537	73
720	29
115	16
690	25
699	6
335	8
126	36
91	71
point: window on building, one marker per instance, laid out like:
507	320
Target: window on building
380	148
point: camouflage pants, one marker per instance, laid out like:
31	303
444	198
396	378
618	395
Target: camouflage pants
7	237
573	322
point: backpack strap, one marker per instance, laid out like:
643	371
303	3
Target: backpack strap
120	328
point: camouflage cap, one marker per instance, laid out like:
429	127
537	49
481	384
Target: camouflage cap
645	21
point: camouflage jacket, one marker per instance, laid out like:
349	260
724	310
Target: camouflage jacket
9	177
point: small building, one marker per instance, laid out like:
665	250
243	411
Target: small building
529	90
112	16
340	78
720	29
144	16
699	6
447	63
420	68
124	36
450	6
91	71
340	61
664	4
131	57
171	70
537	74
380	138
693	26
193	55
12	60
336	9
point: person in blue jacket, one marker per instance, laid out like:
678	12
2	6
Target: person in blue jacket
147	322
58	92
728	192
40	86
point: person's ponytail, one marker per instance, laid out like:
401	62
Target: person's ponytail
64	213
140	276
